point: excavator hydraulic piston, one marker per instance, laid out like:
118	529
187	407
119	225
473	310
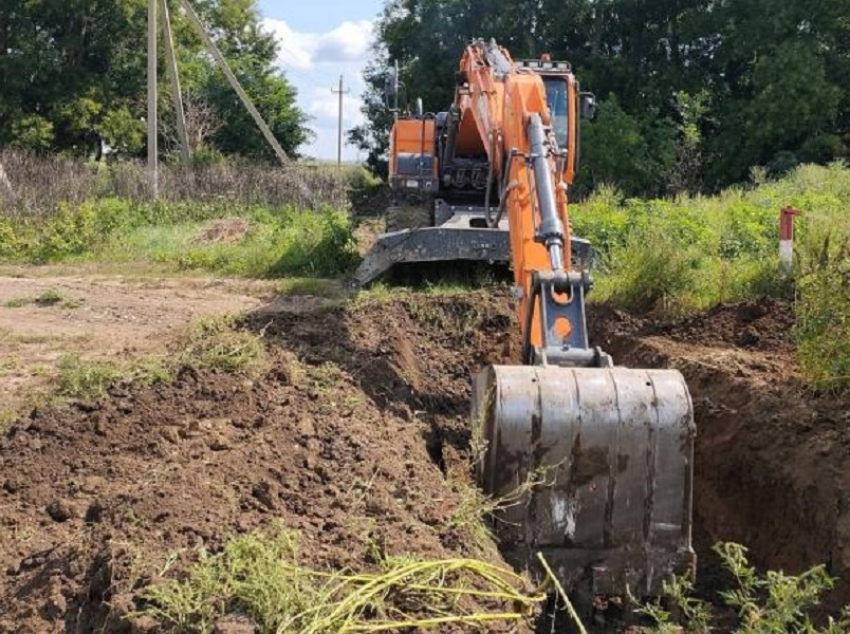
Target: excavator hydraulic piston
551	229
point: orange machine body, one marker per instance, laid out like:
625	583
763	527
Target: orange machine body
413	161
485	147
494	111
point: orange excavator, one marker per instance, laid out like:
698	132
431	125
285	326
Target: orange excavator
611	448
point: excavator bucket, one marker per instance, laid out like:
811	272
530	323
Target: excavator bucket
597	465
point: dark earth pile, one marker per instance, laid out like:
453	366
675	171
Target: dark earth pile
347	438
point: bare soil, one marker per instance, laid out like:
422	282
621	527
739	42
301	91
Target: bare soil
99	317
348	439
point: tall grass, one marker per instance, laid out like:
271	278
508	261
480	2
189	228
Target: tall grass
674	256
42	183
65	210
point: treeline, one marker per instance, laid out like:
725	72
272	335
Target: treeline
73	78
694	93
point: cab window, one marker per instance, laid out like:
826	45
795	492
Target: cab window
556	99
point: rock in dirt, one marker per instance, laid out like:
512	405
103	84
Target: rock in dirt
61	510
266	493
219	442
235	624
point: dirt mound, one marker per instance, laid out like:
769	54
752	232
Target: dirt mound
348	437
342	440
764	325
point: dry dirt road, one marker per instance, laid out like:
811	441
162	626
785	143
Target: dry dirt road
44	318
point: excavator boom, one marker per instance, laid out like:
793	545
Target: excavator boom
608	450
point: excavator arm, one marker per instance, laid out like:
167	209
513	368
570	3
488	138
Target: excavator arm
614	446
503	109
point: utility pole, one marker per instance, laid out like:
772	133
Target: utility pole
7	188
340	92
174	76
153	149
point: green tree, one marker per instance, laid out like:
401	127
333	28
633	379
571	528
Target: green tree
734	83
74	75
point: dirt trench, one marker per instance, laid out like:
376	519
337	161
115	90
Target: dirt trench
348	438
770	457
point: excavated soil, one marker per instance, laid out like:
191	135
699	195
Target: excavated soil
347	439
771	458
343	440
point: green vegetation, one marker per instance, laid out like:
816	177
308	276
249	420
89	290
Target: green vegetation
85	379
259	575
216	344
675	256
764	604
88	90
207	344
823	314
50	297
183	236
692	95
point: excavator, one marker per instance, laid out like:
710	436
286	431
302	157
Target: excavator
607	450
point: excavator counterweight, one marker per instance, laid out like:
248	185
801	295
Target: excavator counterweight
597	459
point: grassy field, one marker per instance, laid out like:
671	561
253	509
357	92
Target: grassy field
675	256
658	257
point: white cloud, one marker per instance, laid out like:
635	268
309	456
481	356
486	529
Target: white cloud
313	62
295	50
325	104
349	42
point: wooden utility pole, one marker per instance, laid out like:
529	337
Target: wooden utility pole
174	77
6	185
246	100
234	83
339	92
153	149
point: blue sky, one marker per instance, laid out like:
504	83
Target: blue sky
319	41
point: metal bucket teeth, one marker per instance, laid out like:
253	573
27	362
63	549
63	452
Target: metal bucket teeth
614	451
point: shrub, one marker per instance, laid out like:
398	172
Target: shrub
765	604
823	319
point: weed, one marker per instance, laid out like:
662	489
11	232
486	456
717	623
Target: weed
17	302
215	344
149	370
50	297
823	318
85	379
325	376
476	510
765	604
260	575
